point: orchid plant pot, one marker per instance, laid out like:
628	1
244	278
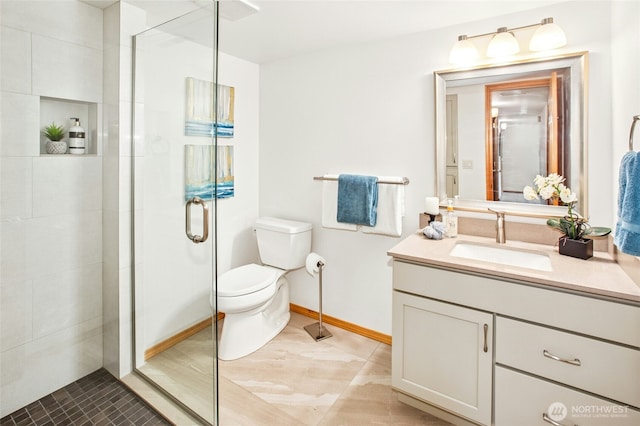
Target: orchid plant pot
582	248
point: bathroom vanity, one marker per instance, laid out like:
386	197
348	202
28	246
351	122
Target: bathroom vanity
492	343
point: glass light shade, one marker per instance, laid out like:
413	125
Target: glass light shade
503	44
548	36
463	52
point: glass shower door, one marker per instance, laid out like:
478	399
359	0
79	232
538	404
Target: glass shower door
174	208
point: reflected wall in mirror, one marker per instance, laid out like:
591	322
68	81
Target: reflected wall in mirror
497	127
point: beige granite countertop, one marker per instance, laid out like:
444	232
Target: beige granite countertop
598	276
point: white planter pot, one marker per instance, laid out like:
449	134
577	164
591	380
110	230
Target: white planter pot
56	147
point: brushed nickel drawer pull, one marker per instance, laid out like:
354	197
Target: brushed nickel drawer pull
486	331
550	420
574	361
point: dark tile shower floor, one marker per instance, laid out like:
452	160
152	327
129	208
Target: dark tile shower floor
96	399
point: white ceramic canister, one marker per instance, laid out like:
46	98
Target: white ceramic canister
76	138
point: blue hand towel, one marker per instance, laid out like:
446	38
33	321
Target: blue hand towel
627	235
357	199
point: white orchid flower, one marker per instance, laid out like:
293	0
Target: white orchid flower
555	179
547	192
540	181
529	193
567	196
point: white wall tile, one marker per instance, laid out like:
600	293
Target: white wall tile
20	130
37	368
16	188
124	137
126	76
66	298
15	65
65	70
15	313
110	233
14	250
70	21
124	250
111	59
66	184
35	248
62	242
110	194
124	190
125	319
111	25
111	130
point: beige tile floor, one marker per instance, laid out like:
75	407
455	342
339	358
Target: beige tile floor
293	380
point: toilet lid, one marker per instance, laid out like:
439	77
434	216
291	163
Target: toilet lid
245	279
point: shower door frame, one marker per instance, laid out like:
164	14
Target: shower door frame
212	225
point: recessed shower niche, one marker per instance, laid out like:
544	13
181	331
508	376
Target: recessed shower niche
60	111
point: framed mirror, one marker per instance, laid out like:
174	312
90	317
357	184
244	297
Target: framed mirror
499	126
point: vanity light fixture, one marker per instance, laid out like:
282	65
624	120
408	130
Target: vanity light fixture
503	43
463	52
547	36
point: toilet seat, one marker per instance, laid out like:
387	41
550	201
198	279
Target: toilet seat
245	280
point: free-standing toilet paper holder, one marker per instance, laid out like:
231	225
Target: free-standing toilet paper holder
317	330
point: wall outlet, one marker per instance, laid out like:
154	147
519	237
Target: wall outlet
467	164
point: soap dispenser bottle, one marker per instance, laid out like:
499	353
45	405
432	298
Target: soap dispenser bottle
76	138
451	222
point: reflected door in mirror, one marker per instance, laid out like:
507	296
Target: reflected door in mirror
524	134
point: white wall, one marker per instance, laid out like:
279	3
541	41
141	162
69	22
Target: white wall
51	206
625	84
369	109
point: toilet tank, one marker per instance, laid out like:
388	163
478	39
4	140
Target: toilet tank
282	243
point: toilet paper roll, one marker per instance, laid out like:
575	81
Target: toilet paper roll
312	263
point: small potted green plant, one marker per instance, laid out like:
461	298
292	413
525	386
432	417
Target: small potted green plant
54	135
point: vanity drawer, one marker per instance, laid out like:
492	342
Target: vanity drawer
513	389
596	366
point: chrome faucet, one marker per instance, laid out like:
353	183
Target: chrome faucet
501	237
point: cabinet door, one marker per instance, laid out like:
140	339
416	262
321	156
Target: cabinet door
442	354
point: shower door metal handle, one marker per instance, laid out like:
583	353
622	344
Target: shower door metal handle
205	220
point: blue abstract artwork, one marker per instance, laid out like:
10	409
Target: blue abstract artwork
208	175
200	120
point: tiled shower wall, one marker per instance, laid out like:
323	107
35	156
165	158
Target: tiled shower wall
51	257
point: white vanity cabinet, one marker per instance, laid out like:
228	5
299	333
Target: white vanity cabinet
553	357
442	354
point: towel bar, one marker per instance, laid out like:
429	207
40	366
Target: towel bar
405	181
633	127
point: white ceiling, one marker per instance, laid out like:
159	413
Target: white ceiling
286	28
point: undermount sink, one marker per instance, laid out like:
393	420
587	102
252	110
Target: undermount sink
502	255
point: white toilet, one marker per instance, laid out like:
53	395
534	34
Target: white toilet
255	298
